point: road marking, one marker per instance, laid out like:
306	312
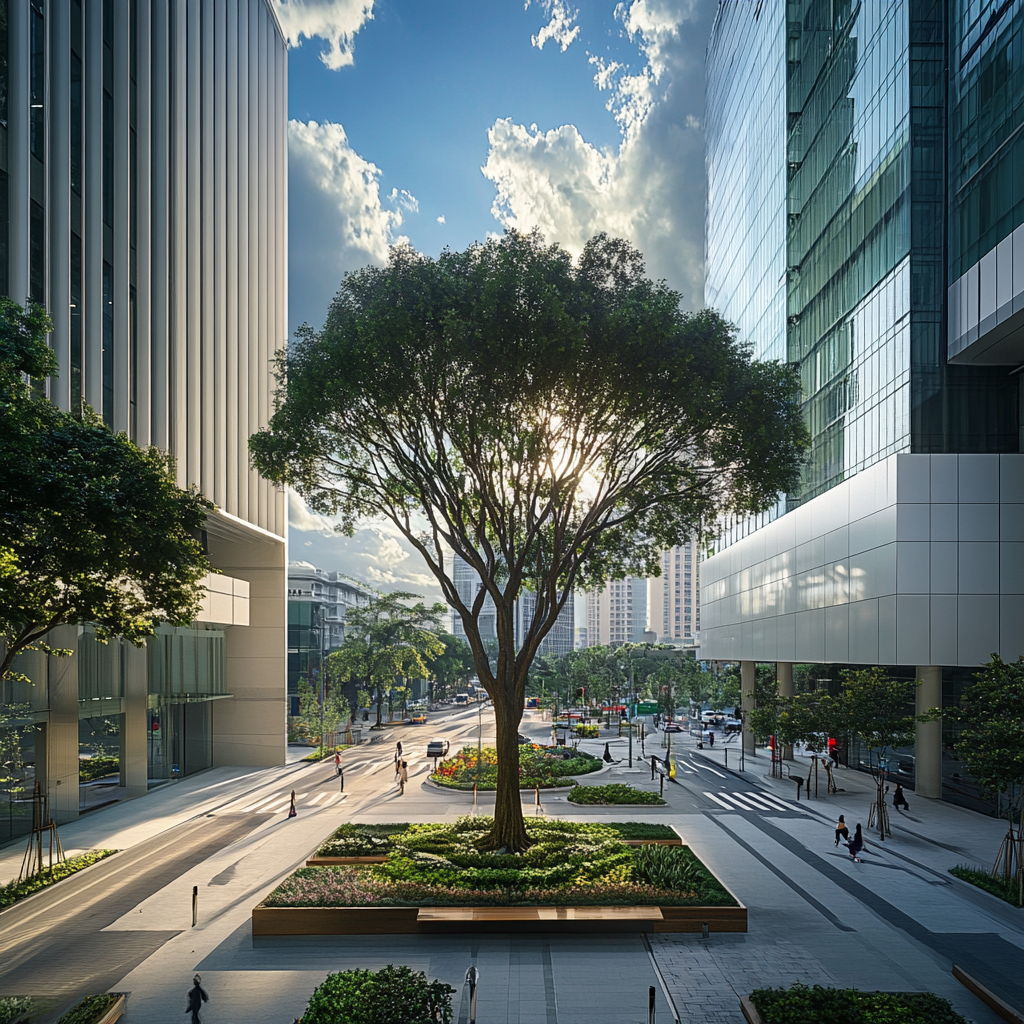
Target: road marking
721	803
317	799
745	802
689	771
707	767
777	802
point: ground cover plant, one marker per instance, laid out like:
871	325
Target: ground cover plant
640	830
544	767
352	840
90	1009
1005	889
568	863
803	1005
14	891
613	793
14	1009
392	995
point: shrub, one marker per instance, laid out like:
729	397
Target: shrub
392	995
587	732
803	1005
15	891
546	767
90	1009
678	868
641	830
91	768
613	793
14	1009
998	886
352	840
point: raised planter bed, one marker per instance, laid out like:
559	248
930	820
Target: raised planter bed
277	922
651	842
324	862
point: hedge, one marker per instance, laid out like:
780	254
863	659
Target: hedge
803	1005
14	891
392	995
613	793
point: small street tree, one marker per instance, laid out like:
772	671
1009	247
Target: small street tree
386	639
552	423
452	668
990	744
92	527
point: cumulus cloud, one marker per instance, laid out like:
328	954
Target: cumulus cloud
336	22
440	220
337	219
302	519
560	28
650	188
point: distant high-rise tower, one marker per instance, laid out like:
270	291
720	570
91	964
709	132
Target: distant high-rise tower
618	613
673	598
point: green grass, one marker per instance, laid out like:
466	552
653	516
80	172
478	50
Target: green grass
640	830
1009	891
14	891
613	793
802	1005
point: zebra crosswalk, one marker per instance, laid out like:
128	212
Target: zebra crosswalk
748	801
281	802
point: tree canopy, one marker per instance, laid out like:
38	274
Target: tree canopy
552	423
92	527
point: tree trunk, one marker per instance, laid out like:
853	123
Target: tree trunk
509	831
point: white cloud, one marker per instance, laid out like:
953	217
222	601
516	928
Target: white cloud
302	519
334	21
440	220
650	189
337	221
560	28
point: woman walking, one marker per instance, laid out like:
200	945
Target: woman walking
842	832
403	778
856	844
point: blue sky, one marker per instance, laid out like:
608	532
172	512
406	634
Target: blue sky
572	117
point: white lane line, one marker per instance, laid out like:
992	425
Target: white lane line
721	803
758	803
264	803
707	767
739	800
317	799
681	765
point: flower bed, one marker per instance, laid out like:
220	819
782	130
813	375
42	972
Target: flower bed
570	863
613	793
361	840
543	767
94	1009
1005	890
802	1005
15	891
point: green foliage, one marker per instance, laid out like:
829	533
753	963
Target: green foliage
90	768
613	793
640	830
879	709
14	891
14	1009
477	393
1005	888
679	868
352	840
90	1009
392	995
92	527
452	667
545	767
803	1005
587	732
991	720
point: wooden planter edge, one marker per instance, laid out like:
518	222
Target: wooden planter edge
115	1011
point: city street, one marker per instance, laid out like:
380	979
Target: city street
895	921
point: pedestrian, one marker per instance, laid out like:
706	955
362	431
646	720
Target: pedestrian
337	762
711	738
196	998
842	832
856	844
898	799
341	779
403	778
291	809
398	751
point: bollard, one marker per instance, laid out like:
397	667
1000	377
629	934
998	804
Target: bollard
474	797
536	795
727	759
472	977
661	785
652	1014
704	931
652	767
195	904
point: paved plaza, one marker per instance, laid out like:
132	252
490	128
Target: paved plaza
896	921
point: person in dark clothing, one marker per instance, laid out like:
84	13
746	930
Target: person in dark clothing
196	997
842	832
899	800
856	844
711	738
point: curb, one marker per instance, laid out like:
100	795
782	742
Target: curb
988	997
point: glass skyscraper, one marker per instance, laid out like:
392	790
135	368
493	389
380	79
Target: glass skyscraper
865	165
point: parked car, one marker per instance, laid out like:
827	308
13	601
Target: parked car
672	727
437	748
419	718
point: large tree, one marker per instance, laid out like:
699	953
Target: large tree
92	527
552	423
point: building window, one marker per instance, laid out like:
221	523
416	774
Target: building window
108	343
76	121
37	253
76	324
37	83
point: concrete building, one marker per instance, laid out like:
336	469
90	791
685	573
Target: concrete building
317	605
865	203
143	201
673	598
617	614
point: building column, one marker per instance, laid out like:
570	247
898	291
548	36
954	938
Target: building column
748	675
928	736
784	680
134	723
62	726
